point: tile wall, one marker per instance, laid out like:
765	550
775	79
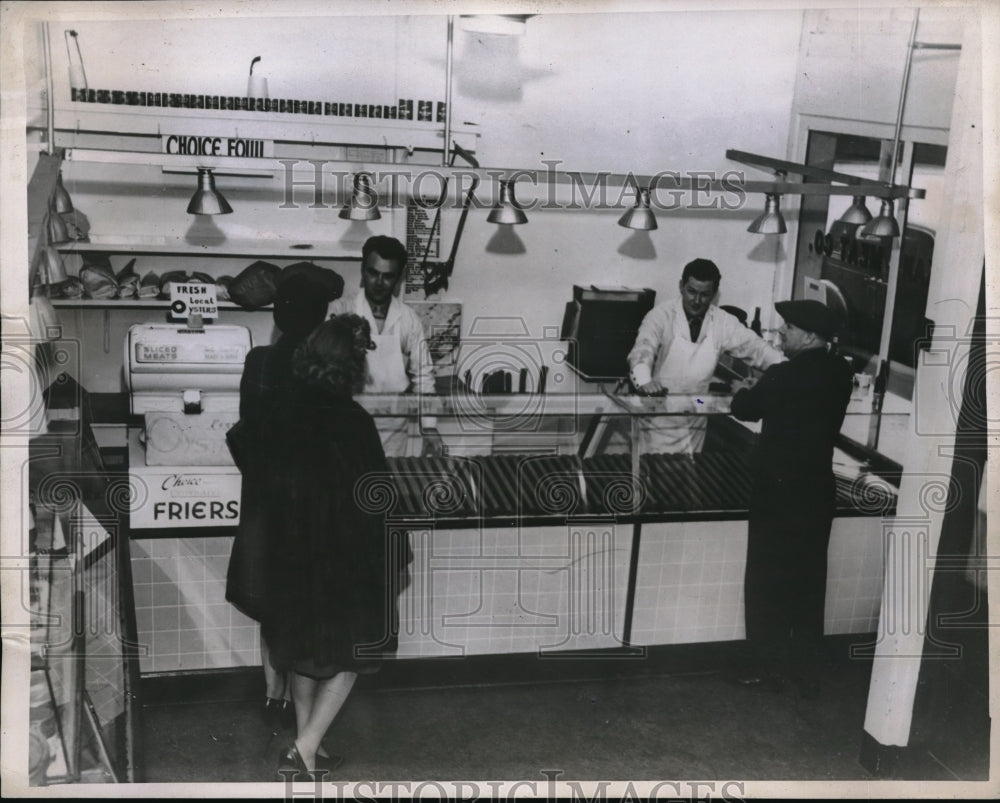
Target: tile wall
689	587
507	590
181	611
543	589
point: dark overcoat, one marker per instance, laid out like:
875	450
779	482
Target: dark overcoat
801	403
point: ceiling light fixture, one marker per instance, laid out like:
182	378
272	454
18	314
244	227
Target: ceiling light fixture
60	197
54	271
206	199
363	204
770	221
640	216
857	214
58	232
884	225
506	209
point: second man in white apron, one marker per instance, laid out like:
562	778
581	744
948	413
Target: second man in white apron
401	361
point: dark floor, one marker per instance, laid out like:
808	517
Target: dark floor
643	727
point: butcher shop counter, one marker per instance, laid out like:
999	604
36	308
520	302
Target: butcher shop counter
543	529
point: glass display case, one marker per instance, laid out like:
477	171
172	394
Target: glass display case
546	528
548	456
83	716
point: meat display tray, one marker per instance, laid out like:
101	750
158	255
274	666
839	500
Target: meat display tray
526	486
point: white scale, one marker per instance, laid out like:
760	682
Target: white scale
185	381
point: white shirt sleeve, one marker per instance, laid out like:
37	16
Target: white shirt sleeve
652	337
641	374
743	343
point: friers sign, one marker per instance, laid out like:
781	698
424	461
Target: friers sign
200	145
182	497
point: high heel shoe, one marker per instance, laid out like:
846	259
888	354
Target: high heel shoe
291	763
277	714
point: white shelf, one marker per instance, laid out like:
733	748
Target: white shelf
164	246
137	303
315	129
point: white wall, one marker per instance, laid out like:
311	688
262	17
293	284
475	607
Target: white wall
639	92
853	61
628	92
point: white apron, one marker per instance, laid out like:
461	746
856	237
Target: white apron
386	373
688	368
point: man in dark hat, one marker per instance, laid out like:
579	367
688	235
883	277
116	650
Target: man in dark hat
802	403
299	307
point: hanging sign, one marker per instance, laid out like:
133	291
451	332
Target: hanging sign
193	298
200	145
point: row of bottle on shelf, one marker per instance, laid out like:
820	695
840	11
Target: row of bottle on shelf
404	110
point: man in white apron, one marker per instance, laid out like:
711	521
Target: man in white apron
678	348
401	360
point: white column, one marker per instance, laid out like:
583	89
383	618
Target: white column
912	538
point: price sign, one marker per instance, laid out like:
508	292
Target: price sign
193	298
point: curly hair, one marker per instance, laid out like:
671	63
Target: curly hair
333	356
387	248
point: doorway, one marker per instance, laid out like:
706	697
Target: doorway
880	283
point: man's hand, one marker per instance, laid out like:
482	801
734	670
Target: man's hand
433	446
651	388
742	384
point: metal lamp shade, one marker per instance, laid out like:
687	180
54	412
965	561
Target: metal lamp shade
640	216
207	200
506	209
58	232
857	213
771	221
884	225
60	198
54	269
364	202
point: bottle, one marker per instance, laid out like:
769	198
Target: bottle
755	323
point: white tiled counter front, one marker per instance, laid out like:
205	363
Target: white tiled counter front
689	586
516	590
504	590
181	610
498	590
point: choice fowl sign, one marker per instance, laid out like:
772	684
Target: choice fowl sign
208	145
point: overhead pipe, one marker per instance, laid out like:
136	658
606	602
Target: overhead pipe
667	180
902	95
50	107
448	66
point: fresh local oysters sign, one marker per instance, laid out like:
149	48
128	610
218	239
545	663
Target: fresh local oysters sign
193	298
210	145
